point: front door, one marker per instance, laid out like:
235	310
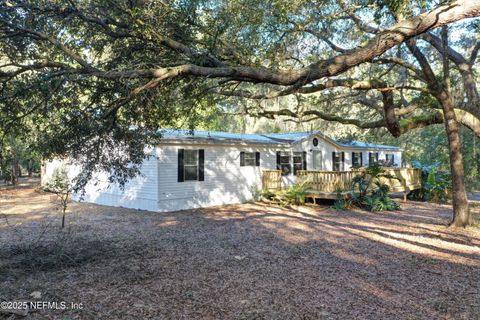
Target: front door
317	160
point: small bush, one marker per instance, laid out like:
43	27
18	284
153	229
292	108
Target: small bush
267	194
436	184
343	201
294	194
379	200
61	185
369	193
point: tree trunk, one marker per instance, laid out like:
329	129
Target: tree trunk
461	212
30	168
15	168
63	219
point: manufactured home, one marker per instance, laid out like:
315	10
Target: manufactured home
192	169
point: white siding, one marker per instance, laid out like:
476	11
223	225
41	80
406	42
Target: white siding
139	193
324	146
226	182
327	148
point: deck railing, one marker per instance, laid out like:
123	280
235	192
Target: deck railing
326	181
271	180
332	181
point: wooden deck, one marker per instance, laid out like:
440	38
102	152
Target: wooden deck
327	184
271	180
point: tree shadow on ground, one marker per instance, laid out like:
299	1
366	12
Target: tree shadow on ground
255	261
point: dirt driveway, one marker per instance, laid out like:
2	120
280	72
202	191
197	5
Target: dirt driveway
250	261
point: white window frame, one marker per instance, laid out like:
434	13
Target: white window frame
250	159
190	165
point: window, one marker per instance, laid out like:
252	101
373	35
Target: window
299	161
283	163
338	160
250	159
357	160
390	159
315	142
191	165
372	157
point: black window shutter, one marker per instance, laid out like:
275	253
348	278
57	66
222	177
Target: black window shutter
278	161
353	157
304	156
201	165
333	160
361	159
242	159
180	165
343	160
257	159
376	156
393	159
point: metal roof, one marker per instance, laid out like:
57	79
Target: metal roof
264	138
366	145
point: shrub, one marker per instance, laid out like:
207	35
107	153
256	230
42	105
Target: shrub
379	200
343	201
295	194
267	194
375	200
436	184
61	185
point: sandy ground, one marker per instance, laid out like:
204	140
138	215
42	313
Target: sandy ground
251	261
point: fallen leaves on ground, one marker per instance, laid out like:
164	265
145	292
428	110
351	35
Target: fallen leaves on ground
251	261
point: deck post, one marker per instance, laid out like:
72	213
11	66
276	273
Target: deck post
405	196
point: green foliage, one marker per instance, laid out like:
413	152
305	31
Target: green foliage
60	184
369	193
295	194
17	154
420	145
90	115
436	184
267	194
258	194
292	195
343	201
379	200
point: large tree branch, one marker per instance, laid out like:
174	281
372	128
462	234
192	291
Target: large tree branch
13	69
427	70
463	66
376	46
316	114
474	53
362	85
405	124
